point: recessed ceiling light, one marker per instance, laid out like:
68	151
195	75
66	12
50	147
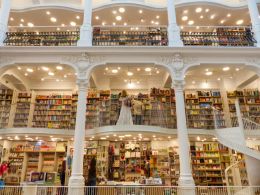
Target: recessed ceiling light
237	69
65	76
138	82
22	20
184	18
42	79
201	17
157	23
48	13
114	71
207	10
19	68
53	19
185	11
62	25
140	11
121	10
207	70
222	21
157	17
142	20
212	16
138	69
125	80
198	10
125	24
208	73
59	67
103	23
30	24
239	22
97	17
21	25
26	74
45	68
12	19
157	71
78	17
57	80
58	29
152	21
228	15
51	73
114	23
29	70
106	68
130	73
191	22
197	27
118	68
226	68
118	18
114	12
193	82
148	69
73	23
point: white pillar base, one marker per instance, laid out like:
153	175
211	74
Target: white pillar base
186	185
76	185
174	36
85	36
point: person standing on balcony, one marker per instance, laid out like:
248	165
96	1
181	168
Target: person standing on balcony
125	116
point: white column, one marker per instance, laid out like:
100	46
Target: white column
4	17
76	181
255	20
186	181
86	28
174	36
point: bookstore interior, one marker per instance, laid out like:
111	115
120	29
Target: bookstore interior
41	101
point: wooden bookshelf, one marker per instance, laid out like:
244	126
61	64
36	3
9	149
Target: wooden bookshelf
22	110
199	109
6	96
40	111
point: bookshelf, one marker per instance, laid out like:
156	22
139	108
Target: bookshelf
73	110
114	109
200	114
48	161
22	110
174	164
6	96
104	108
40	111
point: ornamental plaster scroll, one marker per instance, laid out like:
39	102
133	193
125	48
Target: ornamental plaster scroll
177	64
83	63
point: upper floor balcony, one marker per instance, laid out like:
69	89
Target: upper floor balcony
119	24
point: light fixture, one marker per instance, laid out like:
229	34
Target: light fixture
193	82
26	74
45	68
29	70
73	23
58	29
147	69
106	68
119	68
53	19
138	82
50	73
114	71
57	80
237	69
97	17
157	72
212	16
42	79
197	27
184	18
19	68
21	25
59	67
128	135
157	17
12	19
114	12
22	20
121	10
142	20
130	73
125	24
185	11
201	17
228	15
138	69
118	18
198	10
239	22
48	13
219	79
114	23
30	24
208	73
78	17
103	23
206	10
191	22
222	21
152	21
226	68
198	138
62	25
140	11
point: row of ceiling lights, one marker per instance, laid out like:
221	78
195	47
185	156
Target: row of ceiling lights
129	73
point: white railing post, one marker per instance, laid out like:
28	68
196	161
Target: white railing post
86	28
4	17
174	35
255	20
186	181
240	121
76	181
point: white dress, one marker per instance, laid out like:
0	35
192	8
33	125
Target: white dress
125	117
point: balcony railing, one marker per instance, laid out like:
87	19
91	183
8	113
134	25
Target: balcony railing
216	36
126	190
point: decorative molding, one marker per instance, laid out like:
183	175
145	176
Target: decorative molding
6	60
253	61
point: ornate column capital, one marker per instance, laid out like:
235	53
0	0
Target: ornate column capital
82	84
178	85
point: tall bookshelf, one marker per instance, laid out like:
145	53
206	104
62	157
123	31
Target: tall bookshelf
40	111
22	110
104	108
114	109
6	96
199	109
73	110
